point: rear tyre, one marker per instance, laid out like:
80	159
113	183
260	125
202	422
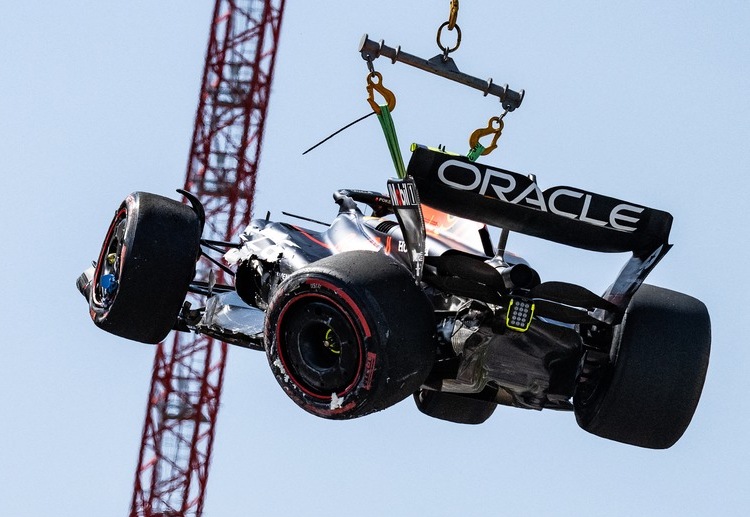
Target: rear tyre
647	393
145	267
349	335
453	407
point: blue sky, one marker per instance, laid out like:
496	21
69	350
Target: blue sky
644	101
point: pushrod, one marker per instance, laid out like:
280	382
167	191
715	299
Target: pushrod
446	68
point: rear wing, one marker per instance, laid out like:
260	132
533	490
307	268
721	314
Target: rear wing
509	200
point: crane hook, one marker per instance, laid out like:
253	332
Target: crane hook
494	128
377	86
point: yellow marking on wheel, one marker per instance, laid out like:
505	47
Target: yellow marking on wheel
328	342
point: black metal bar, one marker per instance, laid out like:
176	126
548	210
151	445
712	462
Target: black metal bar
447	68
303	218
221	288
226	269
223	244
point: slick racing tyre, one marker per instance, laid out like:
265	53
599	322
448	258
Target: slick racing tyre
349	335
453	407
646	394
145	267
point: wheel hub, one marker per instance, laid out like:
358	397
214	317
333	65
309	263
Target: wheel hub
106	281
319	346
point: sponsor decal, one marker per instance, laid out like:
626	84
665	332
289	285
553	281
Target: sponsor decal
369	369
518	189
403	193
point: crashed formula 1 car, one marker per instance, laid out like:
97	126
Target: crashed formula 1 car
414	300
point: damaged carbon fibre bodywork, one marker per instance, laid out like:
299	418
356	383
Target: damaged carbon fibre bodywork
522	363
480	354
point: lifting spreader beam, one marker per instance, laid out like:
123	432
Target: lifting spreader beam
444	67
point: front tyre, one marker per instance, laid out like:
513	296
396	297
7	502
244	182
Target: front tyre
145	267
349	335
647	393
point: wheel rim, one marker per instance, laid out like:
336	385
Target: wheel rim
320	346
107	273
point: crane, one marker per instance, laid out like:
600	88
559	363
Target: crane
188	373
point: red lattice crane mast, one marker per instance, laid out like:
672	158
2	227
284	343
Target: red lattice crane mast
222	169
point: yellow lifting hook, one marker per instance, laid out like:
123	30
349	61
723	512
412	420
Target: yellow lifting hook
453	16
377	86
495	128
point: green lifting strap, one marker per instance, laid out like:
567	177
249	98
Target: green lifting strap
389	130
475	152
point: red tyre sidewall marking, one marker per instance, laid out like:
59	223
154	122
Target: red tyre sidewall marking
366	361
372	358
